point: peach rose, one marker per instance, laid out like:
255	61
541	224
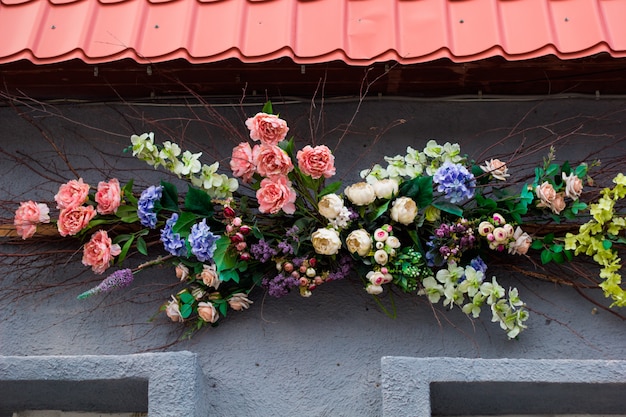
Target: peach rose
28	215
241	163
209	276
208	312
99	252
73	220
239	301
72	194
267	128
108	196
173	311
496	168
558	204
270	160
276	194
573	186
316	162
521	242
546	194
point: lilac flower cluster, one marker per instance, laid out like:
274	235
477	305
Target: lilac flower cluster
121	278
455	182
203	242
343	269
280	285
449	241
146	205
292	233
262	251
172	242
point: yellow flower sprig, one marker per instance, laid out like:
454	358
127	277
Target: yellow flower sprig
595	238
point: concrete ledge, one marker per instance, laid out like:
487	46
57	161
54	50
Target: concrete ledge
420	387
161	384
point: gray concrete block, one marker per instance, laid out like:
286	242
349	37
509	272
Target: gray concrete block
162	384
419	387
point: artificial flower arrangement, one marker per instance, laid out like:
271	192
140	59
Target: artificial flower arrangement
419	225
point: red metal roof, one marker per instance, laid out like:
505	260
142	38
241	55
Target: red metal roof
358	32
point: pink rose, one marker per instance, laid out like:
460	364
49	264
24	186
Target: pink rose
73	220
72	194
28	215
270	160
99	252
241	162
316	162
267	128
276	194
108	196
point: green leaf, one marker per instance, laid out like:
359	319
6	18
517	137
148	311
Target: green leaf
186	310
186	297
547	239
566	168
569	254
526	195
486	203
536	245
267	107
581	170
382	209
169	198
420	189
122	238
330	188
222	307
198	201
184	223
552	170
578	206
229	275
556	248
558	257
125	249
127	192
449	208
607	244
288	146
546	256
224	259
142	247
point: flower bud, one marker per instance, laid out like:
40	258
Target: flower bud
237	237
310	272
229	212
245	256
288	267
245	229
237	221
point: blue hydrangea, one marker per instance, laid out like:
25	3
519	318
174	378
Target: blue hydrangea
455	182
479	265
146	206
172	242
203	242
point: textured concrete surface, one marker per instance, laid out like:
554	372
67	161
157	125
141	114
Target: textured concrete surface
162	384
419	387
319	356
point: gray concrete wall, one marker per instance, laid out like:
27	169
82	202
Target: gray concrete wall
319	356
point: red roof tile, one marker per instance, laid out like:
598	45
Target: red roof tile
358	32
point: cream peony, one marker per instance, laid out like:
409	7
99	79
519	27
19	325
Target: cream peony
330	206
404	210
385	188
359	241
326	241
360	194
374	289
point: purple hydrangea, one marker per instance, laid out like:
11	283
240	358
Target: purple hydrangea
203	242
146	206
343	269
293	233
262	251
172	242
285	248
280	285
121	278
455	182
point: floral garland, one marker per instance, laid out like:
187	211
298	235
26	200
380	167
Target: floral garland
420	225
